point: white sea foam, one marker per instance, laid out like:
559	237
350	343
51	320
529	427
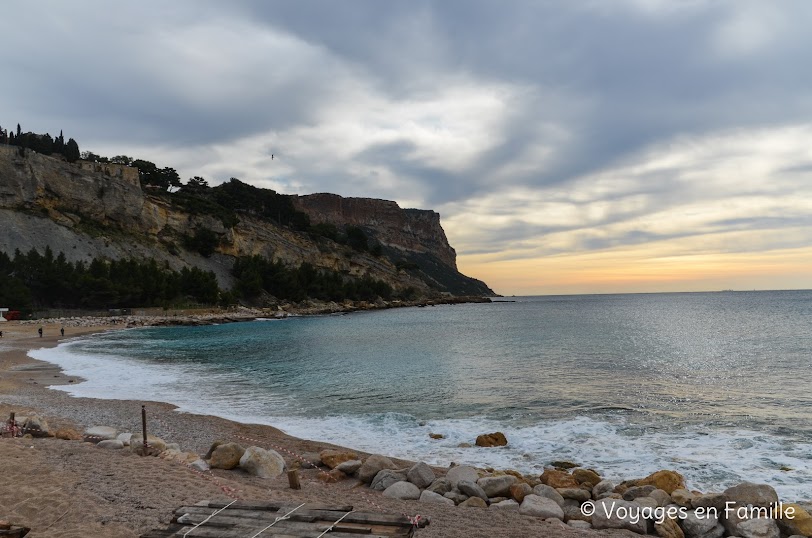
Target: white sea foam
710	460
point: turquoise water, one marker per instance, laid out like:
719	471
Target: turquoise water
712	384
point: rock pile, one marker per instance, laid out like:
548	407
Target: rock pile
657	504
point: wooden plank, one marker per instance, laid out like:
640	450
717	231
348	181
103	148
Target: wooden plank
268	505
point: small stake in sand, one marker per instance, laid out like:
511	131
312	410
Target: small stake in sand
293	479
144	428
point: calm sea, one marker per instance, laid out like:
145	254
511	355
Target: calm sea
714	385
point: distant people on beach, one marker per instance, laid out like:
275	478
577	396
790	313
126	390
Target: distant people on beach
62	331
40	332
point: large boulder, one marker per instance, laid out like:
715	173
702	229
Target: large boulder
602	489
430	497
665	480
760	495
548	492
155	445
372	466
491	439
558	479
759	527
402	490
586	476
520	490
226	456
386	478
795	520
262	463
349	467
441	486
497	486
698	524
472	489
36	426
461	472
421	475
618	514
473	502
542	507
507	504
668	528
99	433
577	494
333	458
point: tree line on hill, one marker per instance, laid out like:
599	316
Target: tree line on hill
225	201
41	143
33	280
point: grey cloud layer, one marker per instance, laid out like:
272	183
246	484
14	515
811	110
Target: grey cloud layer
432	103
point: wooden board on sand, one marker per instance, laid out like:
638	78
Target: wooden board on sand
246	519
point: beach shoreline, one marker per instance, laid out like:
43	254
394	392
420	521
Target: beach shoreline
72	488
121	494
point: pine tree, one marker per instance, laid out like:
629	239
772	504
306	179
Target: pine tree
72	151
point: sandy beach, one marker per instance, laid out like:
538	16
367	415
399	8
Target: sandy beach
63	488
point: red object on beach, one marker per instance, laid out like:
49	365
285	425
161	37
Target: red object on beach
12	315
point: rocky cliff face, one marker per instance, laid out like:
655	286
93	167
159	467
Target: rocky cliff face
87	211
405	230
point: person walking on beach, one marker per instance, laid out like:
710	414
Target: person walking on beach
62	331
40	332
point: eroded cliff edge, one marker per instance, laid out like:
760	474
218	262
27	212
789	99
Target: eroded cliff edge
86	211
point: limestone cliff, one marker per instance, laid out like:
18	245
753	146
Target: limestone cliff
86	211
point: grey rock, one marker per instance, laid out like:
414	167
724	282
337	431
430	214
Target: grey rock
698	524
637	491
618	514
548	492
262	463
543	507
661	497
508	504
461	472
125	438
200	465
576	494
110	444
572	511
402	490
746	493
440	485
579	524
683	497
710	500
474	502
759	528
372	466
456	495
603	488
99	433
647	502
472	490
421	475
497	486
350	467
430	497
386	478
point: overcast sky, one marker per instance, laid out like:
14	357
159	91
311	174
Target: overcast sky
570	146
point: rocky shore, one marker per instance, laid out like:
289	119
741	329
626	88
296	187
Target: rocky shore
242	313
567	495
